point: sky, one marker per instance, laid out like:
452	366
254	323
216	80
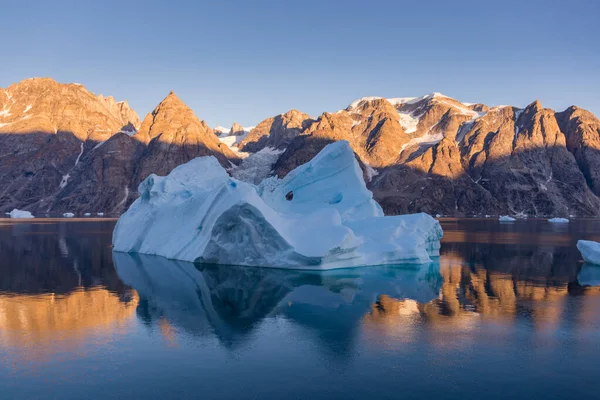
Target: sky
245	61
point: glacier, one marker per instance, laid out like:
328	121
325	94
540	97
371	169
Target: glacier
320	216
590	251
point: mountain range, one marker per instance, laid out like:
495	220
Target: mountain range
65	149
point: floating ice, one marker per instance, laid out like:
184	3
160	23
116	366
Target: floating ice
68	215
558	220
506	218
590	251
320	216
20	214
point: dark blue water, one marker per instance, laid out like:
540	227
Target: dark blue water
508	311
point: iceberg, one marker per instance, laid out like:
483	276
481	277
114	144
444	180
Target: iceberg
15	213
506	218
320	216
558	220
590	251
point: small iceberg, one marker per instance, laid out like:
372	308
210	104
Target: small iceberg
558	220
68	215
320	216
590	251
506	218
15	213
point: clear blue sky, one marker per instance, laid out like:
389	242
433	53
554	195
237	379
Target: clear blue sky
248	60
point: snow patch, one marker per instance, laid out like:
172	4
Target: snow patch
68	215
221	130
409	121
87	214
232	140
27	108
370	171
320	216
64	181
429	139
127	132
79	156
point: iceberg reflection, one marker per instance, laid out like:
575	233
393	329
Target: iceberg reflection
589	275
232	300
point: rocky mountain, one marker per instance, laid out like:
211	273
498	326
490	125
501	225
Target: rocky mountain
451	158
66	149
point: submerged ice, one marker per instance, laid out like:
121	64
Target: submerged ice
320	216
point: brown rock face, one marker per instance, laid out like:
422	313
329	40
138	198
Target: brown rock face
371	127
459	159
174	135
582	130
66	149
45	129
69	150
236	130
277	132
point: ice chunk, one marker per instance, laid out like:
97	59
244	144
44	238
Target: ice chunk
15	213
506	218
320	216
590	251
68	215
558	220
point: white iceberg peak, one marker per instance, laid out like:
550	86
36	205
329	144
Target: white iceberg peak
320	216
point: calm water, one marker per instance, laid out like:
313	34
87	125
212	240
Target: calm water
508	311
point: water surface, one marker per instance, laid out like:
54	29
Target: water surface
508	310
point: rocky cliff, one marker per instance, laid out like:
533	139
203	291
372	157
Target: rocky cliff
66	149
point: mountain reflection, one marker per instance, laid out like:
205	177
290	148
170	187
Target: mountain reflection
58	286
61	285
470	282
